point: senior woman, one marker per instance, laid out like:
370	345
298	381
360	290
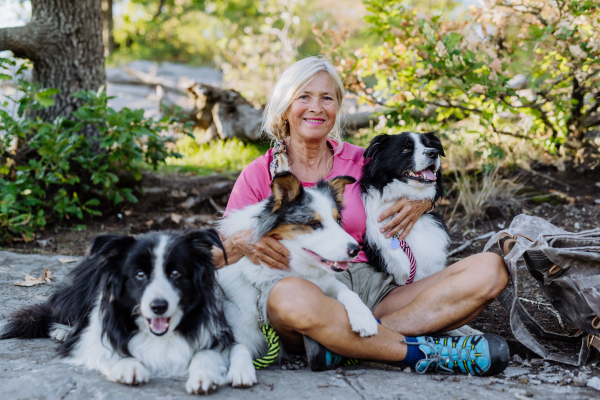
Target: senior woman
303	116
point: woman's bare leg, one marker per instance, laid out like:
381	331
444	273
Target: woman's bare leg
444	300
298	307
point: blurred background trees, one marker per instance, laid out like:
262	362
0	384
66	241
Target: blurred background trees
527	69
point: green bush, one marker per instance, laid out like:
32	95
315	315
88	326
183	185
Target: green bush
528	69
50	171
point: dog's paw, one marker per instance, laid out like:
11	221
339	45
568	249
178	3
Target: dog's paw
59	332
363	323
242	375
128	371
205	380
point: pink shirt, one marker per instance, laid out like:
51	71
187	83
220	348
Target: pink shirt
254	185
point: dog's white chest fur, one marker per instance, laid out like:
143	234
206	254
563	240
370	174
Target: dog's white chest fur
167	356
427	240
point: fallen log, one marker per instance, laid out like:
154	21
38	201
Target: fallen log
218	189
225	114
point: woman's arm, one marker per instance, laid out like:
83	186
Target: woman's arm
407	213
267	250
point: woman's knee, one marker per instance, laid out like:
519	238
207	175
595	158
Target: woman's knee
493	274
294	302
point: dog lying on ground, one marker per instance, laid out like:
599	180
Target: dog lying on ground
308	220
404	166
136	307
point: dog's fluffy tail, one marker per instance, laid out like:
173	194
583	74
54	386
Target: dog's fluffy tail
29	323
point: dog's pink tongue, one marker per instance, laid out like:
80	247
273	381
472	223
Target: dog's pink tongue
343	265
429	174
159	325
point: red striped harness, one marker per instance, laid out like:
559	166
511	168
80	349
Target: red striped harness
394	244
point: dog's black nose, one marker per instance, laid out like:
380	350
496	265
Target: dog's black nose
353	249
159	306
431	153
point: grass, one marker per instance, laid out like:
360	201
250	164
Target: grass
475	193
213	157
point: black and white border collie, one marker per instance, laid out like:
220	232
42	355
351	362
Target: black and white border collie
309	221
408	166
140	307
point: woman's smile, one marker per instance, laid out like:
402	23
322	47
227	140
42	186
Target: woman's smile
314	121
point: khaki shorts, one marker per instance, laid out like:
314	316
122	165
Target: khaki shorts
370	285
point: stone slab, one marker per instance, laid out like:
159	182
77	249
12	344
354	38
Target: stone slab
29	369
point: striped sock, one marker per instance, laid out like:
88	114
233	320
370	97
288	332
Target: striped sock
413	353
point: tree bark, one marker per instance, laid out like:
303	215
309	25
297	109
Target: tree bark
107	27
64	41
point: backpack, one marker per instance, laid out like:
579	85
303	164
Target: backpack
567	268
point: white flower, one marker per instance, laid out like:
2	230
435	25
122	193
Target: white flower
577	51
420	72
422	15
441	49
477	88
470	42
458	60
496	65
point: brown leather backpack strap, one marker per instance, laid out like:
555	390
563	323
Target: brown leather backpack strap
593	341
504	242
523	236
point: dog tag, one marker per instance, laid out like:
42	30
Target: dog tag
394	244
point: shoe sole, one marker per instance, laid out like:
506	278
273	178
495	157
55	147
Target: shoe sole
499	354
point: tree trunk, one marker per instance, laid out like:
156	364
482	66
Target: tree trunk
107	28
64	41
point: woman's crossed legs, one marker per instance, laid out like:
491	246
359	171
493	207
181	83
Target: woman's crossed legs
443	301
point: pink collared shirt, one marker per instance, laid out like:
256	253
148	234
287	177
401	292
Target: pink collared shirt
254	185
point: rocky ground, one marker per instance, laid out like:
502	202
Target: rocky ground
29	369
570	199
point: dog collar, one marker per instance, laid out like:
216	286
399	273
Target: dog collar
395	244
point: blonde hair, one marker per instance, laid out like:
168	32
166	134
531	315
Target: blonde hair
294	79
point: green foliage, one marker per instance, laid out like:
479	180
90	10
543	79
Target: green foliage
252	41
528	70
183	32
215	156
186	31
51	171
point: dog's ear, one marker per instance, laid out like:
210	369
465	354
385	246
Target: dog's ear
380	140
338	184
286	188
109	244
205	239
435	143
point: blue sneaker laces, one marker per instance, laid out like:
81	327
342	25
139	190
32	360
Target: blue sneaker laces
455	354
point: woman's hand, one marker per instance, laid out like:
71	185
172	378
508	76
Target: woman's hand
407	213
267	250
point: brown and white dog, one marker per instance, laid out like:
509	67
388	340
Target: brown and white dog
309	221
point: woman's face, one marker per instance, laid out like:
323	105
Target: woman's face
313	111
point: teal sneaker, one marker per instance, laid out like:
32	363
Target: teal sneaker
321	359
479	355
